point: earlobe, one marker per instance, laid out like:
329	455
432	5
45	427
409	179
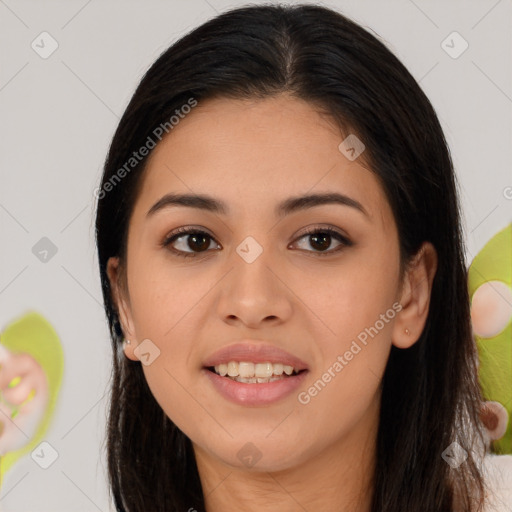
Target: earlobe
128	349
121	303
415	297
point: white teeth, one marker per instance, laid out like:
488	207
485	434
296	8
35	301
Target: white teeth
245	371
254	380
250	380
232	369
278	369
263	370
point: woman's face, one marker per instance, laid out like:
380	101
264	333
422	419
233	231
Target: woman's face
258	286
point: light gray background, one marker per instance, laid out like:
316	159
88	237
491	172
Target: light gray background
57	118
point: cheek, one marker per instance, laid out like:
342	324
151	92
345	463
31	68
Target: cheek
357	306
165	302
162	294
353	296
345	387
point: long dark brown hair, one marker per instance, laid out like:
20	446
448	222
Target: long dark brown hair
430	392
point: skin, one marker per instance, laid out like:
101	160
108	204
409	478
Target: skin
252	155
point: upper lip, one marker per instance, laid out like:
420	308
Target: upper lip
255	352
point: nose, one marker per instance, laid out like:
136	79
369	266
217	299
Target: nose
255	294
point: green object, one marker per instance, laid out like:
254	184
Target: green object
494	263
34	335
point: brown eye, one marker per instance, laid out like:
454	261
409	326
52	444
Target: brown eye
321	239
189	242
198	242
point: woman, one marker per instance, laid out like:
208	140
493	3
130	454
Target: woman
280	250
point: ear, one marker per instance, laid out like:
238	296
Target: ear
122	305
415	297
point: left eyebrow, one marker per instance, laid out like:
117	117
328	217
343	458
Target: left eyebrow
290	205
303	202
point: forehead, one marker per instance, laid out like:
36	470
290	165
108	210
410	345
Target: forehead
257	152
287	128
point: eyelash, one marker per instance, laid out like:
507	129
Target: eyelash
180	232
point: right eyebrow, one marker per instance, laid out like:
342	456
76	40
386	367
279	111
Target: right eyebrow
202	202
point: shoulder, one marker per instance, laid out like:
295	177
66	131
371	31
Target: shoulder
497	471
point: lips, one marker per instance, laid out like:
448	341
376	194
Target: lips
255	352
259	393
254	395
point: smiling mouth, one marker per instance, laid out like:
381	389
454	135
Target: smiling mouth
254	373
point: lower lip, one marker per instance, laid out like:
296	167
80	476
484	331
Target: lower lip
266	393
